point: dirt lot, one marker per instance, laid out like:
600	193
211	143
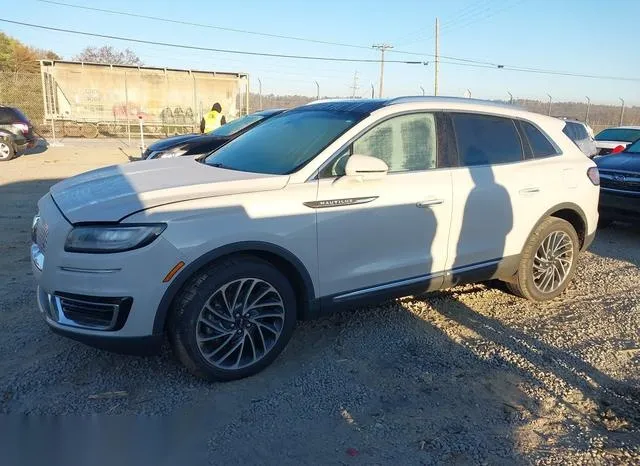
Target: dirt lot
470	375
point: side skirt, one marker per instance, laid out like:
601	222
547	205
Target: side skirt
502	269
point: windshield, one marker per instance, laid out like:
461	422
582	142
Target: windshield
634	148
236	125
619	134
284	143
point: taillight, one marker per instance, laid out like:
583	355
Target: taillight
617	149
594	175
23	127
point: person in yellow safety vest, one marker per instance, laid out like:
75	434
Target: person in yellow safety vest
213	119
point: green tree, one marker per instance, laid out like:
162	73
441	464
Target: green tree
20	58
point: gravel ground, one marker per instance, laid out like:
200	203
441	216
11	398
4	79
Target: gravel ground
470	375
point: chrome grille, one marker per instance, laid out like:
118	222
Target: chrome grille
622	181
91	312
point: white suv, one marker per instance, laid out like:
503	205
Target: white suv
329	205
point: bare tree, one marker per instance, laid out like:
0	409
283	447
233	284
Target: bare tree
108	55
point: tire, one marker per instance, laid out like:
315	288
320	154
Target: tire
200	324
529	285
7	151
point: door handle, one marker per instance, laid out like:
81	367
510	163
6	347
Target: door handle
429	203
529	190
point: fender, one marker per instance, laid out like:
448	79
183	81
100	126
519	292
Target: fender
4	134
234	248
586	240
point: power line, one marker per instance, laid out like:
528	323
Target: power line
483	17
242	31
453	60
207	49
208	26
418	34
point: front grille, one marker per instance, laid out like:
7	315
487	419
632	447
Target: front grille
622	181
91	311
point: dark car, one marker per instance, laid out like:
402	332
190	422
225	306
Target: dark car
16	133
620	185
196	144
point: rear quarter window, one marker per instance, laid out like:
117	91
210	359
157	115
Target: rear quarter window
486	139
540	144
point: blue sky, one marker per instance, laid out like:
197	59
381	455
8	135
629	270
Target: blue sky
578	36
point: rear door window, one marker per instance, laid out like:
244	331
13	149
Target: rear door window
540	144
486	140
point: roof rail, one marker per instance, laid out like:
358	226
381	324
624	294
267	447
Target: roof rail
424	98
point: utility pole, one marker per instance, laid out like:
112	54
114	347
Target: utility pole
549	110
317	90
354	88
382	48
510	97
373	92
586	117
435	81
468	93
422	90
260	92
621	110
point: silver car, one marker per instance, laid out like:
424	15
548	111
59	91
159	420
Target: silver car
582	135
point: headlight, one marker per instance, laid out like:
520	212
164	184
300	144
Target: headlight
117	238
175	152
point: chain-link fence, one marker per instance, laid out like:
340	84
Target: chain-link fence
23	90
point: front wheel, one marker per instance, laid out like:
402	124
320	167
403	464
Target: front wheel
548	261
7	152
233	319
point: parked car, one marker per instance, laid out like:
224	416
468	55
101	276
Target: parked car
614	140
620	188
582	135
196	144
16	133
326	206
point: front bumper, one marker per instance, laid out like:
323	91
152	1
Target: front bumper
137	346
619	205
111	299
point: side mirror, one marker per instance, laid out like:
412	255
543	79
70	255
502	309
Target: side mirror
365	167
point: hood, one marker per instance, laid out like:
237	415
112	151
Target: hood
621	161
112	193
173	141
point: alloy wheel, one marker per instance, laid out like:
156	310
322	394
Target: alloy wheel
552	262
240	323
5	151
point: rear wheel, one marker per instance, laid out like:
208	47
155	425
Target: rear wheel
548	261
233	319
7	152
